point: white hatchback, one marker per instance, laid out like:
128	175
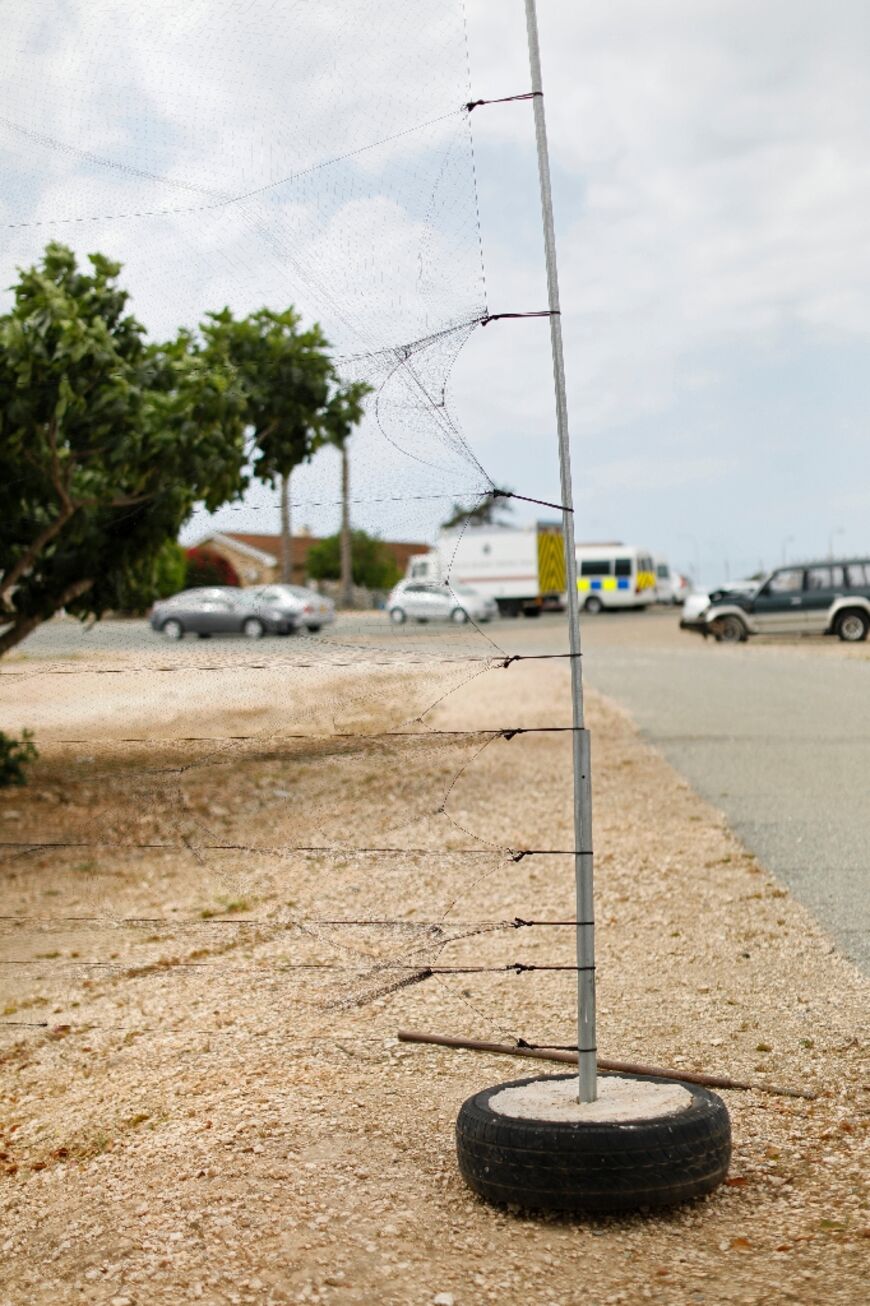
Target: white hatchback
418	601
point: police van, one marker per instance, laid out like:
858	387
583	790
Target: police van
611	576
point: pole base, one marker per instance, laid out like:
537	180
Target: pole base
646	1143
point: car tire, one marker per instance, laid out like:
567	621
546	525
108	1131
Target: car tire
172	629
852	626
730	630
313	629
597	1167
459	616
398	616
593	605
253	628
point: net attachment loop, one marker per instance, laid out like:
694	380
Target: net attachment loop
499	317
504	99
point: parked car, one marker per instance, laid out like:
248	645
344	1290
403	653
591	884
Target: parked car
421	601
820	598
696	603
312	610
223	610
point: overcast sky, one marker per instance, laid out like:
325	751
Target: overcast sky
712	179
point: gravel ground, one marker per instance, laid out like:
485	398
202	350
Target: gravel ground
200	1121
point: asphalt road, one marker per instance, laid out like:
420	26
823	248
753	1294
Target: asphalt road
777	736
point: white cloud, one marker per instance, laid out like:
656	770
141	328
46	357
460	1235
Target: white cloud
710	159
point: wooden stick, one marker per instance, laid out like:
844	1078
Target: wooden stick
570	1058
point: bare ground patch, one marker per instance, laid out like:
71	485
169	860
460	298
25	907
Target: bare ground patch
202	1119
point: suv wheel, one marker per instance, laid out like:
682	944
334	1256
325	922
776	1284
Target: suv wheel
852	626
593	604
730	630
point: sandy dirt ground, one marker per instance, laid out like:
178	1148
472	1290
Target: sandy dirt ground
203	1098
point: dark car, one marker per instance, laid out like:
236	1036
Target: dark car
815	598
223	610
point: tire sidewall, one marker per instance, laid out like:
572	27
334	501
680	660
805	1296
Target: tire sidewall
594	1167
736	628
861	625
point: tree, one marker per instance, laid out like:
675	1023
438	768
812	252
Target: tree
106	444
373	564
170	570
294	400
489	511
344	412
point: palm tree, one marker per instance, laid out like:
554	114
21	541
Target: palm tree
344	412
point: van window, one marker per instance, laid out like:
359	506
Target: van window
599	568
622	567
859	575
662	571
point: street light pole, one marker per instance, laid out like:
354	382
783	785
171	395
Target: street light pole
585	915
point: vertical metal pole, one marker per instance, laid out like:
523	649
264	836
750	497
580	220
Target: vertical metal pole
588	1067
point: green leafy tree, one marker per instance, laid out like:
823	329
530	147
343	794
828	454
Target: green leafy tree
106	444
295	402
170	570
373	564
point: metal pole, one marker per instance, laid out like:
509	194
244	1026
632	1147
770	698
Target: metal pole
588	1063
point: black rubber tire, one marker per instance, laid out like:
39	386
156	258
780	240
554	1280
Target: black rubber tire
730	630
852	626
597	1168
593	604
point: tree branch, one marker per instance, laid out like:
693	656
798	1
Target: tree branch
25	626
27	559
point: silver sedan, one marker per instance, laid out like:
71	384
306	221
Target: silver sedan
222	610
427	602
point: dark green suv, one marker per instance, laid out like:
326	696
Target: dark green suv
815	598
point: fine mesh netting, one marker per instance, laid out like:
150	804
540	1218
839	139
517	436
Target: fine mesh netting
336	820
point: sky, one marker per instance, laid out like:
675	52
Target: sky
711	165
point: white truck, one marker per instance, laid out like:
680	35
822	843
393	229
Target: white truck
523	569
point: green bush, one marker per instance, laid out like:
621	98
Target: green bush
372	564
15	756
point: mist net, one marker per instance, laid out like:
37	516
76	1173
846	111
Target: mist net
328	835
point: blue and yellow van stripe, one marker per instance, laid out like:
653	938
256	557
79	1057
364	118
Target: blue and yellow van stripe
586	583
645	581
